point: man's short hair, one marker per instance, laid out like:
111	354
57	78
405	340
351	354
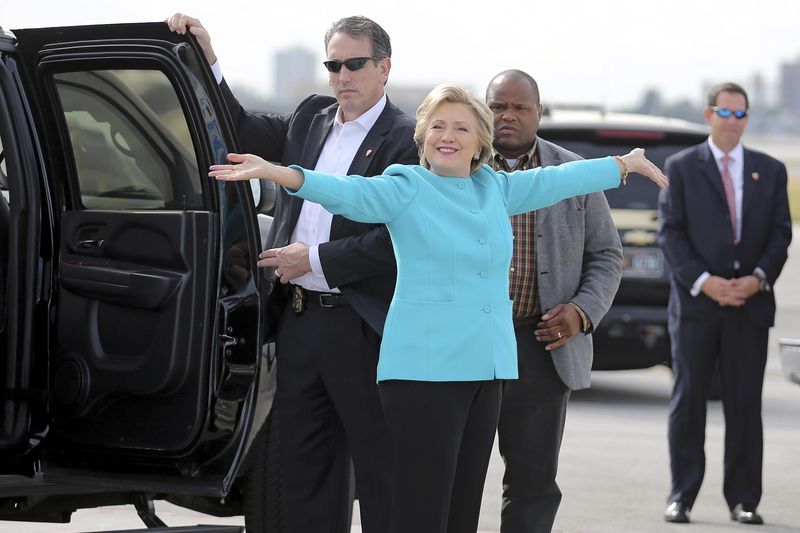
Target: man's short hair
727	87
518	74
362	28
455	94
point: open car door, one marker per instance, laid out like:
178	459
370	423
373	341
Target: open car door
153	339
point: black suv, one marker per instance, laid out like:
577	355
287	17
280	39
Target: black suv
634	332
132	364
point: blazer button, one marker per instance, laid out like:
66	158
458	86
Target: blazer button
461	185
483	274
487	309
482	240
473	211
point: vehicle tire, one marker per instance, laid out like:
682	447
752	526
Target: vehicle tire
264	501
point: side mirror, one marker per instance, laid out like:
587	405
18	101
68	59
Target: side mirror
264	196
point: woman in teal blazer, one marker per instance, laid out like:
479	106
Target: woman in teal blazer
448	337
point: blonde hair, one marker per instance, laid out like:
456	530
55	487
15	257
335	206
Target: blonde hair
448	93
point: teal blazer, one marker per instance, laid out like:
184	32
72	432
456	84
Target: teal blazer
450	318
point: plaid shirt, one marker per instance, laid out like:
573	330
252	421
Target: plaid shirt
523	290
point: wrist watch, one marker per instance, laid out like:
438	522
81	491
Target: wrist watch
763	284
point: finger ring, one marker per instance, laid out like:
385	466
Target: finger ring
277	272
559	335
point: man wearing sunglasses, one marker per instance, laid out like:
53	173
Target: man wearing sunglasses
336	279
725	230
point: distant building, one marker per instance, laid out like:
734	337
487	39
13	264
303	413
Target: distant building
790	87
295	70
758	91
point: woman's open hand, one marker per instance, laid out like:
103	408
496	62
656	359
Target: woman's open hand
246	167
250	167
638	163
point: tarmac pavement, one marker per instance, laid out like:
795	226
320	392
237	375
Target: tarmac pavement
614	469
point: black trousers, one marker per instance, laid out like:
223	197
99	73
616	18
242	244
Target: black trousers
530	431
442	436
739	347
329	409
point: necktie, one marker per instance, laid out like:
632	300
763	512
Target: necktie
727	183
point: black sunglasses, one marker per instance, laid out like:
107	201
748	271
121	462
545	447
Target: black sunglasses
724	112
352	64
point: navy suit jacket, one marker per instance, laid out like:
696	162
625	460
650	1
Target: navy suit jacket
359	259
695	233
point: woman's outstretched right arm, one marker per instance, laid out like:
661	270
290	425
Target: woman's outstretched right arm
249	166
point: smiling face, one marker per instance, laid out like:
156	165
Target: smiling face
358	90
451	140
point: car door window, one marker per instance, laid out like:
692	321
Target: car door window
130	142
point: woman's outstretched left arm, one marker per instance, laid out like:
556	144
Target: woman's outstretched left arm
528	190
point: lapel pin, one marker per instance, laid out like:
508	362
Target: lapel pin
755	176
369	153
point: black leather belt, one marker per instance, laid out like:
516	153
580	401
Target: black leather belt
326	300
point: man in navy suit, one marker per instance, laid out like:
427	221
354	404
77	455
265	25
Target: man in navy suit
340	277
725	230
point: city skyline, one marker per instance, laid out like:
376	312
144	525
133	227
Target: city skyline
296	75
580	51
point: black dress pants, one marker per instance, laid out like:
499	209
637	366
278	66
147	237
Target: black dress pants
442	435
329	409
739	347
531	427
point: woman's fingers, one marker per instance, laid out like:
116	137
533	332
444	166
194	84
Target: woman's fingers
639	163
237	171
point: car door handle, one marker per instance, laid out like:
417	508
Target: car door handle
90	244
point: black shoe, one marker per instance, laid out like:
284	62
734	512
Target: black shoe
746	514
677	513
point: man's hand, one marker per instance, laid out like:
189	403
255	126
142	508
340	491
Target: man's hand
563	319
724	291
179	23
745	287
290	262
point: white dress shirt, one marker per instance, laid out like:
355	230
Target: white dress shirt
314	225
736	170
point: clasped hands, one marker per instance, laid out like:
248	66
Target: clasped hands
730	292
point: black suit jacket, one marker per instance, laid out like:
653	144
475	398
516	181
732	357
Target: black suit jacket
695	233
359	259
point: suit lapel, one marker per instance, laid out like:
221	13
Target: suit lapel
548	157
366	153
318	131
710	170
372	142
750	177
